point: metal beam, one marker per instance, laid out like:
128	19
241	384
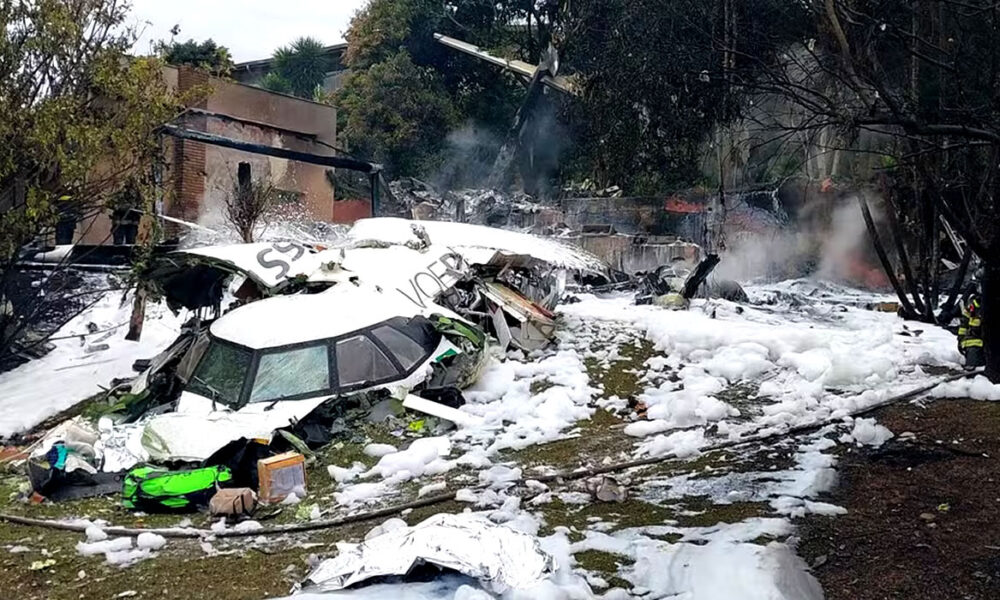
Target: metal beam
559	83
337	162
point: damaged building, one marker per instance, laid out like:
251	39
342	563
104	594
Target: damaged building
200	173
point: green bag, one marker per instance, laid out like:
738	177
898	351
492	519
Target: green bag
157	490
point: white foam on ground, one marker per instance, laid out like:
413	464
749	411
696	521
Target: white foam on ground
811	363
43	387
977	388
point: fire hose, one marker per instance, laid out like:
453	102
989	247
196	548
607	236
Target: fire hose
187	532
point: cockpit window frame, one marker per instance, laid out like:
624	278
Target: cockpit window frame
404	325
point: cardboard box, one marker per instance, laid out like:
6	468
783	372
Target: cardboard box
280	476
232	501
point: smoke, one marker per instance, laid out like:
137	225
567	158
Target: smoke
846	239
773	256
471	152
827	240
468	158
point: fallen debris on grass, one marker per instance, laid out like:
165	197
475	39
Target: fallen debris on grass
500	558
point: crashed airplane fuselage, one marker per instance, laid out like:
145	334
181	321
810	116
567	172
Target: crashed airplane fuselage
424	263
272	363
397	307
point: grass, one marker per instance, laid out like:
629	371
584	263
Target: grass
620	378
595	438
700	511
182	569
577	517
244	569
606	565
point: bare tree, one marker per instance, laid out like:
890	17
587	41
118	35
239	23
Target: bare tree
924	78
249	203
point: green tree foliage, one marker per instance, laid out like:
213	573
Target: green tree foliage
77	119
483	97
276	83
398	113
299	69
206	55
384	27
661	74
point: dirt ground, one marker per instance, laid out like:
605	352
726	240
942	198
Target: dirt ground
924	515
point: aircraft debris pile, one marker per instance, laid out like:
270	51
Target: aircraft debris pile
420	200
290	345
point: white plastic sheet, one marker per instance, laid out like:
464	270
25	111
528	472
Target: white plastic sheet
499	557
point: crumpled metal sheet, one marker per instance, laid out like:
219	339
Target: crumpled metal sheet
501	558
121	447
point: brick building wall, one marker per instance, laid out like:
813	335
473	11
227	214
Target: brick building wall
198	177
187	163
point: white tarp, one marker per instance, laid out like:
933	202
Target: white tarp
499	557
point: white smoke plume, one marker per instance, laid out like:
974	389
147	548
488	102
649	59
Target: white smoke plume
828	240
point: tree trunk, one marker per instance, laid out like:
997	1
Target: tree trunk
908	312
991	318
904	258
138	316
949	311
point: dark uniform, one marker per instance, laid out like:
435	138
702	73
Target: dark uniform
970	331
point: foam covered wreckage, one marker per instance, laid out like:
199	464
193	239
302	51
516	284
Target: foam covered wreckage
500	558
317	337
673	286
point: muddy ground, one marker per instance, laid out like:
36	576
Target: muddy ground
922	521
924	515
42	563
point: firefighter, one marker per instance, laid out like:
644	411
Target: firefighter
970	329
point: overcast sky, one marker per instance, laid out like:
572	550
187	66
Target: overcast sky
251	29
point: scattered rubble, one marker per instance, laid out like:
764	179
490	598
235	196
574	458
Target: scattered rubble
472	345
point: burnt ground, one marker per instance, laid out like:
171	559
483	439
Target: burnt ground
924	516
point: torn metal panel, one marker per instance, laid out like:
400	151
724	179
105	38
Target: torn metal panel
420	261
472	240
194	432
176	350
196	278
500	328
270	265
420	278
533	328
501	558
193	436
435	409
